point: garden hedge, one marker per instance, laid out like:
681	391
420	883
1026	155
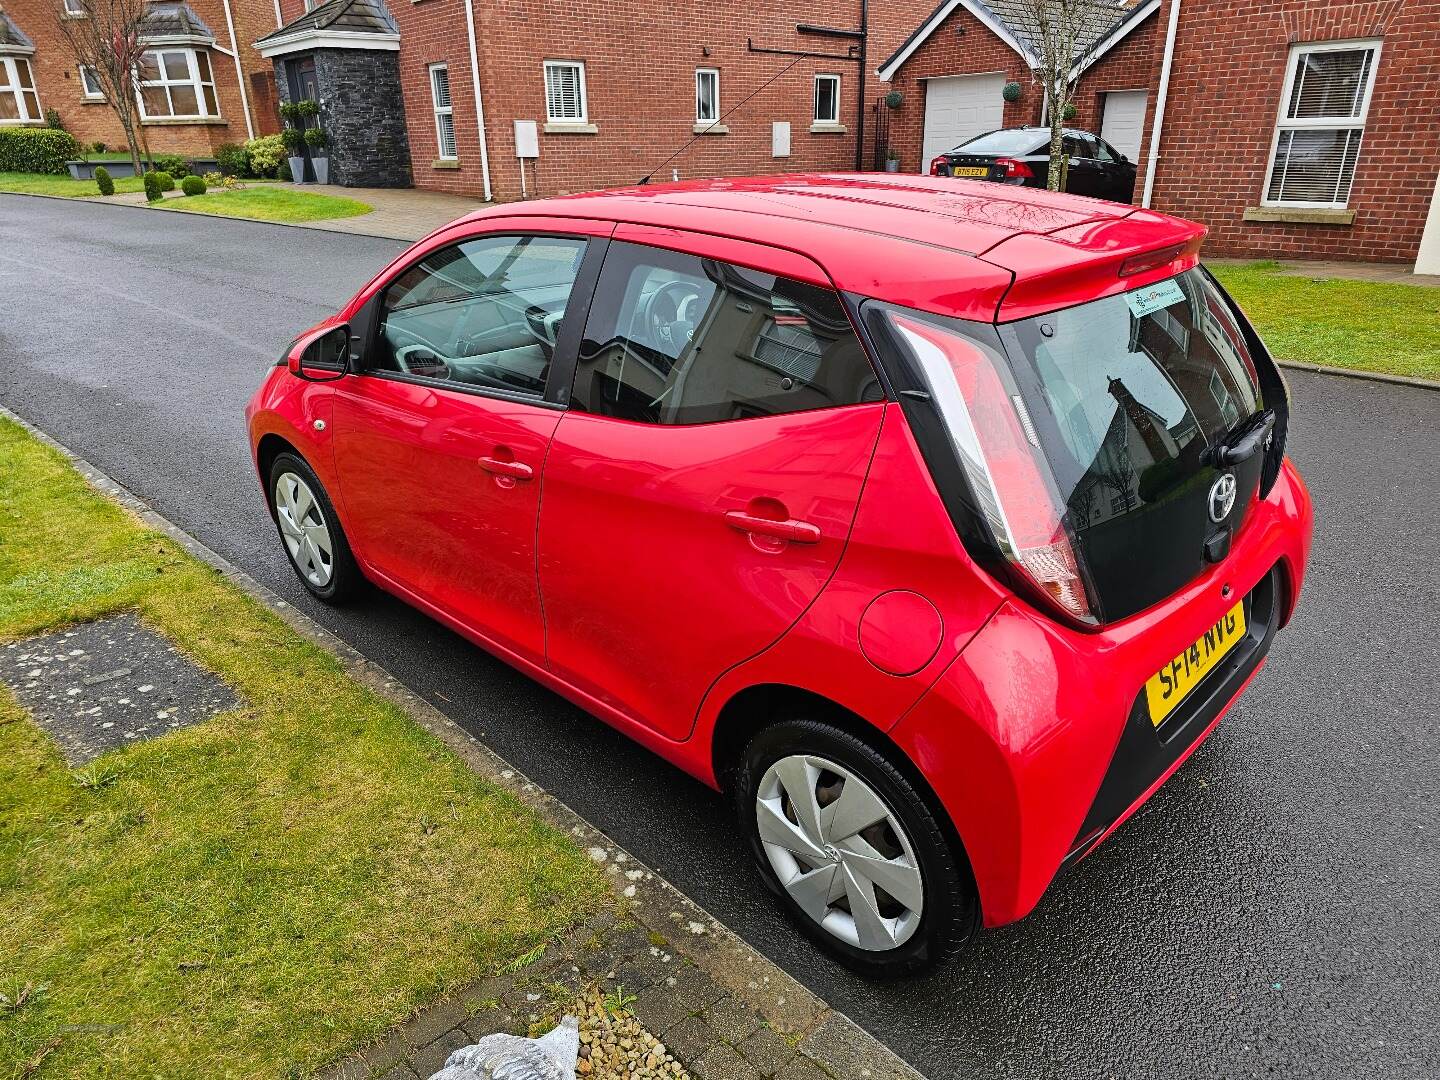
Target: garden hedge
36	150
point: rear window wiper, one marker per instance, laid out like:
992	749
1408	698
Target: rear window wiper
1245	441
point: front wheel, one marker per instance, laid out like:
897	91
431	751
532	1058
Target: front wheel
852	850
310	531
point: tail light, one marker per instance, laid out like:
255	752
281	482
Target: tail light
937	164
1015	168
995	441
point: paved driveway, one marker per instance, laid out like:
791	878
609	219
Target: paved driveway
1272	911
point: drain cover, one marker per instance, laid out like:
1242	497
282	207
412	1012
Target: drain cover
101	685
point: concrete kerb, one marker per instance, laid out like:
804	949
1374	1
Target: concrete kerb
828	1039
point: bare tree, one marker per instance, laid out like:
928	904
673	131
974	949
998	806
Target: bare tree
107	40
1056	29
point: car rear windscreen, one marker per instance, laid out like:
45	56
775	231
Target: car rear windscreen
1007	141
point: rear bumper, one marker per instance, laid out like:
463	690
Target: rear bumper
1036	739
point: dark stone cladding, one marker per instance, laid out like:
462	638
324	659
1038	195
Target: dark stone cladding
363	112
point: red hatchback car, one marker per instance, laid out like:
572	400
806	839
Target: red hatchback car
936	522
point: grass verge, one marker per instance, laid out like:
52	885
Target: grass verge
1367	325
42	184
271	204
255	895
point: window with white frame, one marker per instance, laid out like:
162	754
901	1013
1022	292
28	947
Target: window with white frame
90	86
707	95
19	103
827	99
177	84
444	111
1321	123
565	92
75	8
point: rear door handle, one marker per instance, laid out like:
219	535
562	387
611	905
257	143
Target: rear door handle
797	532
516	470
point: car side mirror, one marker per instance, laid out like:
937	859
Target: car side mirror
323	358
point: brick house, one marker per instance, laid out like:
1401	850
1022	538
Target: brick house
1294	129
607	91
194	93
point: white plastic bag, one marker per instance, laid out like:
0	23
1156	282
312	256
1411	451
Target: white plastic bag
511	1057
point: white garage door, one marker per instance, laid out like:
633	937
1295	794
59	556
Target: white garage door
958	108
1124	120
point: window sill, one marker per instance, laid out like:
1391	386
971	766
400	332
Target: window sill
710	128
92	101
173	121
829	129
445	163
1300	215
553	127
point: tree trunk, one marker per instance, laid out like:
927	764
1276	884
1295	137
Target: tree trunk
1055	181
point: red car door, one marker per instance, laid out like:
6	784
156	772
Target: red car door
700	490
441	438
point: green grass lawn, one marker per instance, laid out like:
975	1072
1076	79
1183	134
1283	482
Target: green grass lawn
254	895
1372	326
271	204
41	184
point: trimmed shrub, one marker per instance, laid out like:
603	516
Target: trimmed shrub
52	119
173	164
165	180
283	172
232	159
98	147
264	155
103	181
192	185
316	139
36	150
294	140
152	187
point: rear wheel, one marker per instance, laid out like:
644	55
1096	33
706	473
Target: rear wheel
310	531
852	850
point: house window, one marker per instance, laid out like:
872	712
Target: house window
90	85
75	8
707	95
565	92
1322	120
827	99
444	111
19	103
177	84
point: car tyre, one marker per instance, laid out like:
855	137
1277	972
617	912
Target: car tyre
810	754
308	525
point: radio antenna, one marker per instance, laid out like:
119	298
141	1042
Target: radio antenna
719	120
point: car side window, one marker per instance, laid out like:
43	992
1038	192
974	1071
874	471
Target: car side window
677	339
1080	146
482	313
1105	152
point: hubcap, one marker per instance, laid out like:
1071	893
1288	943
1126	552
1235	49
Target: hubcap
303	527
839	852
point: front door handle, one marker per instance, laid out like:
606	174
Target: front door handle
515	470
797	532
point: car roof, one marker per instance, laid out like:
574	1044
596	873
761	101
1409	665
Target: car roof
954	247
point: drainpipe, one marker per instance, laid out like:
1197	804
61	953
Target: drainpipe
279	20
239	72
479	104
1159	120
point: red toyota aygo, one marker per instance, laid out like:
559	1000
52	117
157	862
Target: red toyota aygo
935	522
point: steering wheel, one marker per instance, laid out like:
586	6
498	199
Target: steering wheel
669	316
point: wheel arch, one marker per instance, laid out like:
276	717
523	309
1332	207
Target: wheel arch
267	450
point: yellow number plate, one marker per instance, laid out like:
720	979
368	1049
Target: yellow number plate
1168	686
969	172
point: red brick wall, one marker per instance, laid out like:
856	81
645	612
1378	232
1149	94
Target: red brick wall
58	80
961	45
1132	64
1229	72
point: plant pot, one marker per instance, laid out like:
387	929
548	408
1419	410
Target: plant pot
322	169
892	165
297	169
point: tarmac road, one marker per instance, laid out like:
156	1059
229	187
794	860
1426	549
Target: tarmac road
1272	911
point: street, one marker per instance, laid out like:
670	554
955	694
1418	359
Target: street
1271	911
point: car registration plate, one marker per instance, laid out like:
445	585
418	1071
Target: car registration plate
1169	686
969	172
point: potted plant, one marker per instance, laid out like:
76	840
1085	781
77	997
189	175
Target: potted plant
892	160
317	140
294	140
894	99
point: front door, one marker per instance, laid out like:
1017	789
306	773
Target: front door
440	442
700	490
958	108
304	86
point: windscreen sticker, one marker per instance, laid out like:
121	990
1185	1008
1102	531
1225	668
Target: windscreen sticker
1154	297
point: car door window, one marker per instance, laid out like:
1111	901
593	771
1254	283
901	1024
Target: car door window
1105	152
484	313
1079	146
677	339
